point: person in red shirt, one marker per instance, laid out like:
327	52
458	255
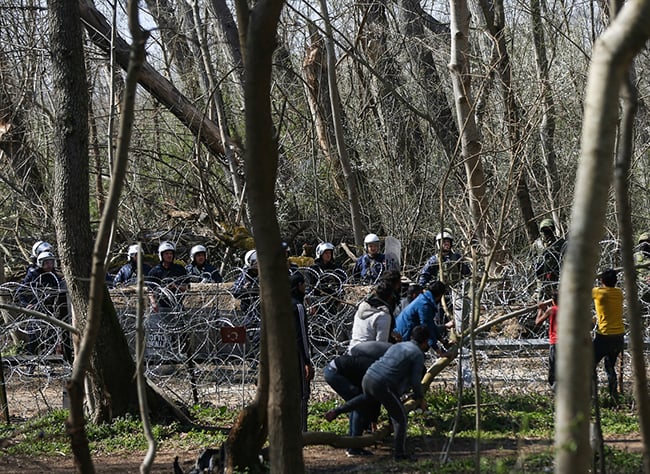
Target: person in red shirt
545	312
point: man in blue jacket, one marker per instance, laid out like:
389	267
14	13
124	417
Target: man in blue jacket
399	370
422	312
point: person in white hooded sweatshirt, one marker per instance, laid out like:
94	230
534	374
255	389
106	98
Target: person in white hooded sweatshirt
373	319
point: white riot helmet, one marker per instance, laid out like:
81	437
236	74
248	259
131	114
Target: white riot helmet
164	247
197	249
320	249
43	257
41	246
445	234
370	239
133	250
250	259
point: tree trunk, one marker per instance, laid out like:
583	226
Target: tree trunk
494	15
314	67
160	88
547	125
175	41
611	59
423	63
113	390
13	142
403	134
71	209
337	121
278	335
227	28
470	140
621	184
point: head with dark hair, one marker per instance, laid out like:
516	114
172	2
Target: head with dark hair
555	297
420	334
392	276
413	291
295	279
437	288
608	277
385	290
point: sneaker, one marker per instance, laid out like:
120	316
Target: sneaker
352	452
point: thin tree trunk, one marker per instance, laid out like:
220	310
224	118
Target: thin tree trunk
611	60
314	66
547	125
227	28
412	23
469	134
14	145
216	104
403	134
175	41
335	103
494	15
621	183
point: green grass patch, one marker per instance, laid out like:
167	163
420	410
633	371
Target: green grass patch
46	435
506	420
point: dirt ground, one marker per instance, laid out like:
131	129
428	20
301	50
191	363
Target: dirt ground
318	459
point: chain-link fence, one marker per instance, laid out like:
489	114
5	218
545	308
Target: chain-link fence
204	345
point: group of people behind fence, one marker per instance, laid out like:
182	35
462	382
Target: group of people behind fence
394	325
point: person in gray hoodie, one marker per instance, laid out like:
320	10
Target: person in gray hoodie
373	319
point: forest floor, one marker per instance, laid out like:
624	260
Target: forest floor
318	459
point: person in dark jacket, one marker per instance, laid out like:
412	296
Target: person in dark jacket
199	269
129	271
170	278
453	266
399	370
247	286
549	261
39	247
344	375
306	368
369	267
44	290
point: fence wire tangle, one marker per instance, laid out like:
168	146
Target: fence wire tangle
188	356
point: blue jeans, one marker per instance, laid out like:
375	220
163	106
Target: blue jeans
359	419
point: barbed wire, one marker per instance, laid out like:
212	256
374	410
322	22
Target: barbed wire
191	355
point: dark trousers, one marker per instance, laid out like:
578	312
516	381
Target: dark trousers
608	347
362	415
551	364
385	395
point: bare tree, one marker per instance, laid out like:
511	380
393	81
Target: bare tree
495	23
547	124
112	388
611	60
469	135
277	391
337	122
